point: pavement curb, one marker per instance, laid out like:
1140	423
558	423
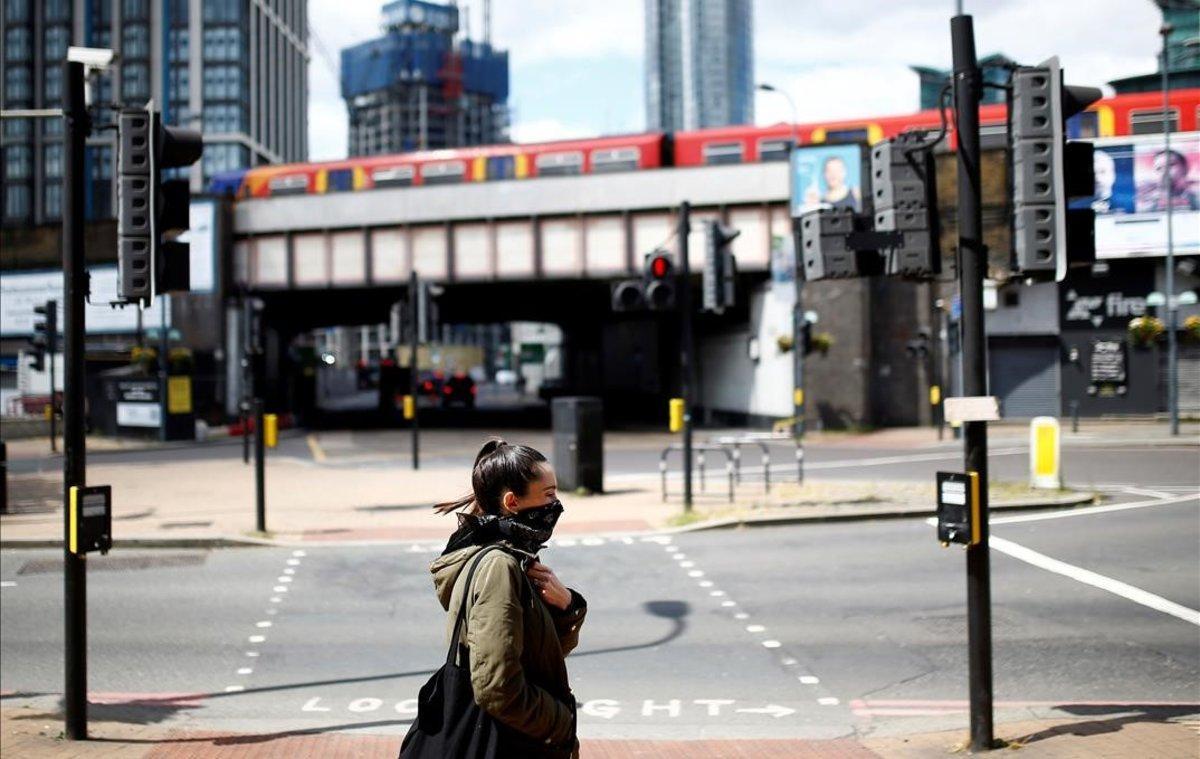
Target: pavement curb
246	541
771	520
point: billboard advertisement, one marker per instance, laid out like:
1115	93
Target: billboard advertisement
828	176
1130	198
20	291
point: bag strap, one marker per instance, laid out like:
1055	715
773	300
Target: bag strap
466	598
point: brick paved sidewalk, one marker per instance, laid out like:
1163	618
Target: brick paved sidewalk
32	734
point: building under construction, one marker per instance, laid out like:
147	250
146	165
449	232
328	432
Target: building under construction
421	86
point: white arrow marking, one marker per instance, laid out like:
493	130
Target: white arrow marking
775	710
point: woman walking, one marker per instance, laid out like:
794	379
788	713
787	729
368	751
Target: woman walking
510	621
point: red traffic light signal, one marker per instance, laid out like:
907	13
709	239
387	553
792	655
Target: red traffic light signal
658	266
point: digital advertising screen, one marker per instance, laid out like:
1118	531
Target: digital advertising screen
828	176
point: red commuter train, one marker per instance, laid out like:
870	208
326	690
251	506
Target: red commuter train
1119	115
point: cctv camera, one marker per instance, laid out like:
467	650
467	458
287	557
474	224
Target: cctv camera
91	57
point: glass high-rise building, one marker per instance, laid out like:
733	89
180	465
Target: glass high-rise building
234	69
699	63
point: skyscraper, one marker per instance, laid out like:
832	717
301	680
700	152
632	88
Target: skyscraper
234	69
419	88
699	63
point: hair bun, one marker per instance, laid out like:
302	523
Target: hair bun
490	447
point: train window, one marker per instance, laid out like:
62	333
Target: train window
559	164
773	150
1151	122
292	184
615	159
446	172
716	153
847	135
393	176
1083	126
987	130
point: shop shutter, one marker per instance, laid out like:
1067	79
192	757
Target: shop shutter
1025	377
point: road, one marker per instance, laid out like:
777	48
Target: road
1087	463
811	631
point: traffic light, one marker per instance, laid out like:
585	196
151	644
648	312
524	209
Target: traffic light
822	239
904	188
720	267
1048	171
627	295
45	335
658	281
152	211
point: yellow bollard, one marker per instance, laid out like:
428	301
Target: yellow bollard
410	407
935	395
270	430
798	397
675	407
1045	460
48	411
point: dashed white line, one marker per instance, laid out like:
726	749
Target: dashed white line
280	589
275	599
741	615
299	553
252	654
827	701
754	628
8	584
283	578
245	671
234	688
695	573
809	680
717	593
687	564
729	603
293	562
771	644
705	583
289	571
257	638
265	623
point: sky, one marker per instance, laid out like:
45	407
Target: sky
576	65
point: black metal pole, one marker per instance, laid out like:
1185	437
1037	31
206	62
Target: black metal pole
247	378
687	376
972	266
798	389
1172	304
413	339
260	466
52	349
74	450
939	366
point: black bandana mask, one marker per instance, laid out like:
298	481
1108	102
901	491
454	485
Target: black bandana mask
528	529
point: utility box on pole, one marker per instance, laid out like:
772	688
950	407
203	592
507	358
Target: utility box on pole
578	427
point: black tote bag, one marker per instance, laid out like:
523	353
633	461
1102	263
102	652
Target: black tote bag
450	725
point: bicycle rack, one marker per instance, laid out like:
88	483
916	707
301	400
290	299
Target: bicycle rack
700	449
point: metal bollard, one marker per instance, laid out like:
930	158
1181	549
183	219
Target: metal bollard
700	466
766	462
729	472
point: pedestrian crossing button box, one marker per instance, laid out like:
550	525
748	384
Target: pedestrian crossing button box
91	519
958	508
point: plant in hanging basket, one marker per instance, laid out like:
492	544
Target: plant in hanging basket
1145	330
822	342
1191	329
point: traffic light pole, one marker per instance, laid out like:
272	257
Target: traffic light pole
972	266
414	337
1172	303
260	463
74	451
687	359
798	410
52	345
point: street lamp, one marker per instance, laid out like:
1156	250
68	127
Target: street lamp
1168	183
791	104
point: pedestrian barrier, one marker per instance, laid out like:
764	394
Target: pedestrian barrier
763	440
700	449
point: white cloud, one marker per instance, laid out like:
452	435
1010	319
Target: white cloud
546	130
332	26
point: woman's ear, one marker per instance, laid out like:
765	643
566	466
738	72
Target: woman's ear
508	502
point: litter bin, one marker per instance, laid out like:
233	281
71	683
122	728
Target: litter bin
578	427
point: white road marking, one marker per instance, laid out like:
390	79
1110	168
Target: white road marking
741	615
252	654
729	603
245	671
264	623
566	542
593	541
283	579
365	704
705	583
787	661
314	705
695	573
257	638
1093	510
293	562
1087	577
234	688
8	584
774	710
809	680
280	589
754	628
687	564
771	644
289	571
299	553
275	599
672	707
714	705
827	701
717	593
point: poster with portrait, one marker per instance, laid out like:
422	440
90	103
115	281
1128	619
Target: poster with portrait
828	176
1130	198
